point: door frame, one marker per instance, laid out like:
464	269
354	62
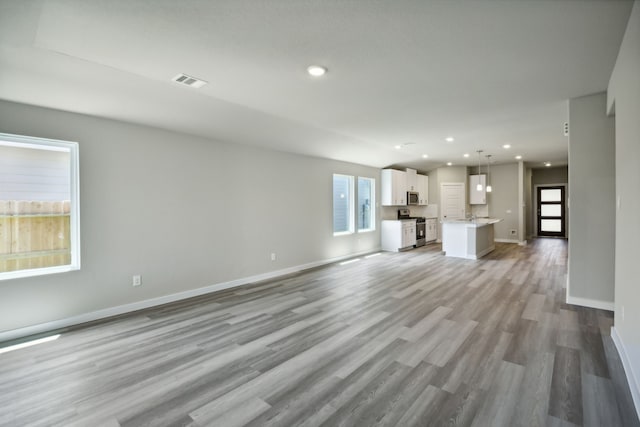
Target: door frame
534	208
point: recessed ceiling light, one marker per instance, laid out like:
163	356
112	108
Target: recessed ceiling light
397	147
449	164
465	155
518	157
424	156
449	139
316	70
506	146
547	164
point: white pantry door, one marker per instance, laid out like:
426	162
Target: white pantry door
452	200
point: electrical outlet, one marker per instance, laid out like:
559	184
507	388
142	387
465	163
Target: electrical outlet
273	256
136	280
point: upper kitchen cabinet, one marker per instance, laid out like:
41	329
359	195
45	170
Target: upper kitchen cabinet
477	197
412	180
394	188
423	189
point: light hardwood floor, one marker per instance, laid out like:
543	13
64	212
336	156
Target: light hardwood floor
403	339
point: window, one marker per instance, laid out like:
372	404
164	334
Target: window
366	204
344	201
342	204
39	206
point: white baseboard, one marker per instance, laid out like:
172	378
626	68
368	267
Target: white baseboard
591	303
506	240
153	302
632	379
522	243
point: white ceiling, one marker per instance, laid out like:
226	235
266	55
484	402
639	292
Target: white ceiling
487	72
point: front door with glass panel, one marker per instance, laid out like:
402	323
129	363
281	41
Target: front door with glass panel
551	218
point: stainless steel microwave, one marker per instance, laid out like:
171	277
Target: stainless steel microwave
412	197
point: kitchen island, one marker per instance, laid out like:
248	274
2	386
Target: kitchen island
468	238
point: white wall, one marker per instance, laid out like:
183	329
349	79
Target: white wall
592	202
184	212
452	174
551	175
624	91
503	200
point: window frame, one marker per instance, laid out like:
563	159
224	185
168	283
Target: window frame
74	201
372	208
351	212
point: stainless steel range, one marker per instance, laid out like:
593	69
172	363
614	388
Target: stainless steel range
420	225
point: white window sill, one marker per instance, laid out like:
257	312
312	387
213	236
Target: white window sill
343	233
367	230
37	272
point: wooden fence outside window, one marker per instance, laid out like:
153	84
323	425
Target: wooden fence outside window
34	234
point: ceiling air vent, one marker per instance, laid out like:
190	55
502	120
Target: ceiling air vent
189	81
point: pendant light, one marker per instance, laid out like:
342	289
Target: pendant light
479	186
488	173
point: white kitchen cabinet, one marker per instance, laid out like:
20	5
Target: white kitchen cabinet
394	188
408	233
477	197
397	235
412	180
468	239
431	230
423	190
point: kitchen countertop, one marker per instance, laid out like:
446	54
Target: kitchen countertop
472	223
